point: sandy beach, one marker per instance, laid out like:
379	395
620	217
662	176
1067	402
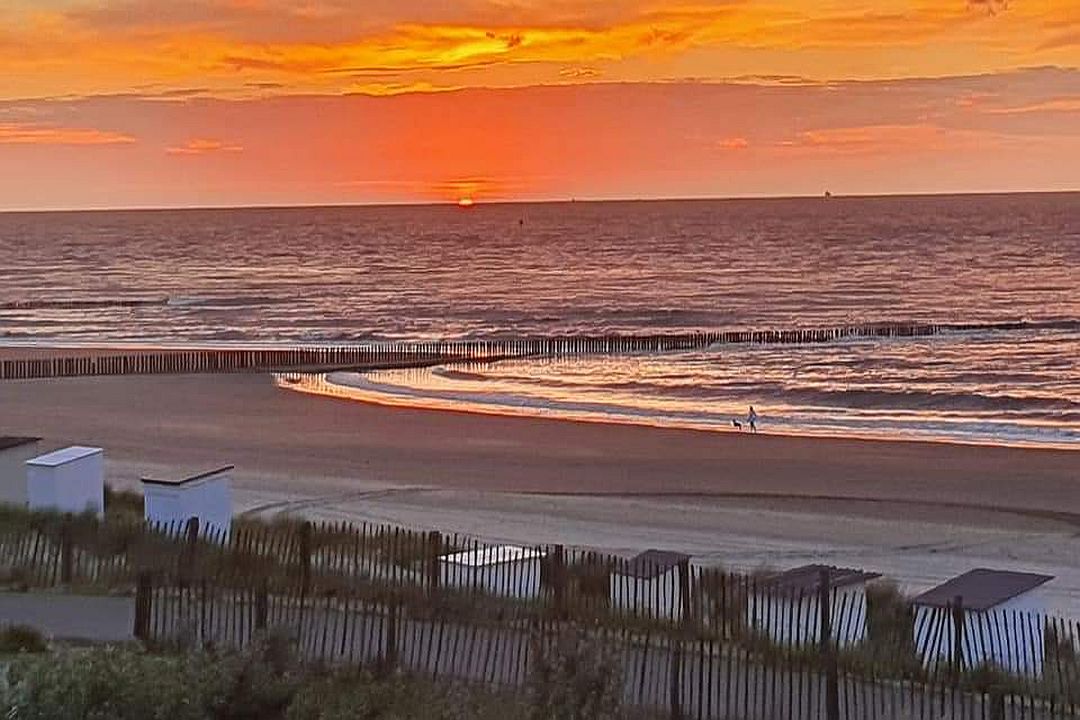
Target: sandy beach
918	512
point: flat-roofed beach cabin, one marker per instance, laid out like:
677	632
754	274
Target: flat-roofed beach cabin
14	452
996	616
786	607
506	570
206	496
655	583
68	480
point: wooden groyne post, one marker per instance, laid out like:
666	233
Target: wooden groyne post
406	355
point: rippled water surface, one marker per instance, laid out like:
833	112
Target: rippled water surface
358	274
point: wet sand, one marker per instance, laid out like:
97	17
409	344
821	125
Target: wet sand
919	512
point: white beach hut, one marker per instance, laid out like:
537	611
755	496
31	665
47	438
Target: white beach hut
655	583
505	570
68	480
787	607
14	452
206	496
994	617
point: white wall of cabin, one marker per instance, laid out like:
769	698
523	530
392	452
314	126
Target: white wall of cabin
13	473
76	486
1009	636
796	620
659	597
209	500
517	578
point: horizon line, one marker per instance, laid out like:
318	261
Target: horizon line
478	203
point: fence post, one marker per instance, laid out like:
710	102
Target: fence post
686	607
143	595
191	532
305	556
996	699
676	676
832	680
434	553
66	559
958	635
390	656
678	640
558	579
262	605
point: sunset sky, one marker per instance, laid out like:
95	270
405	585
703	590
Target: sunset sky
131	103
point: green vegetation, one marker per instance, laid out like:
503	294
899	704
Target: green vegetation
575	677
131	684
124	505
890	633
21	639
391	572
576	680
358	695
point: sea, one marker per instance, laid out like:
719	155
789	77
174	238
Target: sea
1004	268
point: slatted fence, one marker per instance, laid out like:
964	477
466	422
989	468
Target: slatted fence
692	642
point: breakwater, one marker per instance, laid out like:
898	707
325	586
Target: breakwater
371	356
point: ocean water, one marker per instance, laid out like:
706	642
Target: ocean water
324	275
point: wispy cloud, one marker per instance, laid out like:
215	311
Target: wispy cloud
734	143
1055	105
31	134
203	146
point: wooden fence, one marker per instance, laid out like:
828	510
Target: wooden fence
664	672
692	642
419	354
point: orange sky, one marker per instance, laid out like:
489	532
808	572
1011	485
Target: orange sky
107	103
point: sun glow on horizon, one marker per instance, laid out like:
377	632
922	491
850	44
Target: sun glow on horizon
466	202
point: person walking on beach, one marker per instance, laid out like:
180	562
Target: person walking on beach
751	419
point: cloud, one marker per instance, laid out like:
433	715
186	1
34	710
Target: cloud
871	139
580	73
31	134
229	47
734	143
1055	105
912	140
203	146
992	7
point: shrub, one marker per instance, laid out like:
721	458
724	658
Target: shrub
724	597
22	638
110	684
360	696
123	504
131	684
259	683
574	678
888	616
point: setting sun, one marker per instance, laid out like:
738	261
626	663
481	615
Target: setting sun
465	202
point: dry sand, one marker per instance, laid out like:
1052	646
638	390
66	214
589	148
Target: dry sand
919	512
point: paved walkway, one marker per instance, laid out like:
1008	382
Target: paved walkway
71	617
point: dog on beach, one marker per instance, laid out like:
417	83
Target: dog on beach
736	424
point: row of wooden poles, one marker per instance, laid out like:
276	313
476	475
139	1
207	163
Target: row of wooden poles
405	354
